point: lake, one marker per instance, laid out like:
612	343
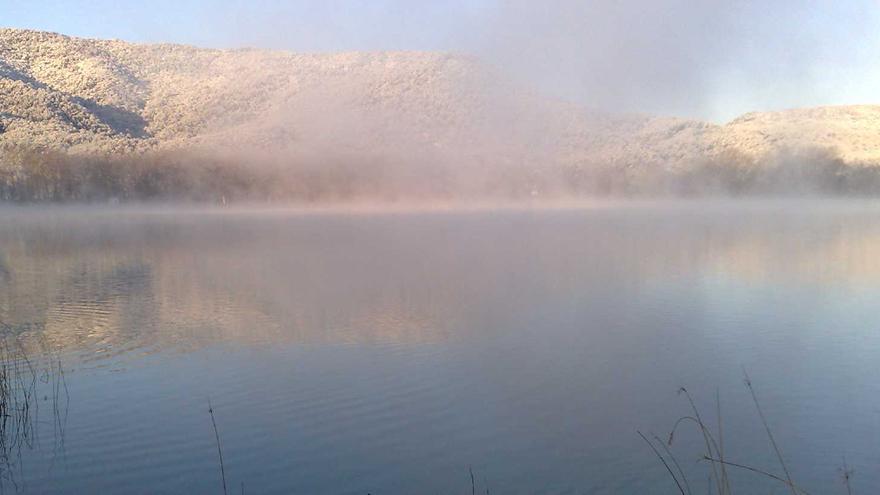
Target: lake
396	353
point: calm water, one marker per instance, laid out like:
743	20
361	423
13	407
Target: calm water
391	353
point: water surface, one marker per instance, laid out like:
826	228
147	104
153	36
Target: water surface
390	353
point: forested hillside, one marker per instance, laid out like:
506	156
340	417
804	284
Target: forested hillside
86	119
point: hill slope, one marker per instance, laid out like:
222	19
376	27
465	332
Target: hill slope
92	94
86	96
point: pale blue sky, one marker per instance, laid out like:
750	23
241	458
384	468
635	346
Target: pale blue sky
704	58
305	25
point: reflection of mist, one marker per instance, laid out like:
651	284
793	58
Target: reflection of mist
100	286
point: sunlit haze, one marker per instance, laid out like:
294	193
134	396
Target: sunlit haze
714	59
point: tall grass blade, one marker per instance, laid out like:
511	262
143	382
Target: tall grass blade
666	464
748	383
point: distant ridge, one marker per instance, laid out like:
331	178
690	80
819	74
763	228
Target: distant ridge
107	96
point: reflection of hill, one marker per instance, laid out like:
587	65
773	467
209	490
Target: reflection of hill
842	259
101	285
796	242
148	284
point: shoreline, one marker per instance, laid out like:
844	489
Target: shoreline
439	207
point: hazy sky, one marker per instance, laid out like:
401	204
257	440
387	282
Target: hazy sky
704	58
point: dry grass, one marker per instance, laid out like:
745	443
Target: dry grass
26	376
718	461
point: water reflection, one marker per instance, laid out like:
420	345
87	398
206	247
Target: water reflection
533	342
102	285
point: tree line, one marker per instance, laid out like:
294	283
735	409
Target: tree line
28	175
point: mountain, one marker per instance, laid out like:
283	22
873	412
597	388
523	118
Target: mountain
110	97
85	95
